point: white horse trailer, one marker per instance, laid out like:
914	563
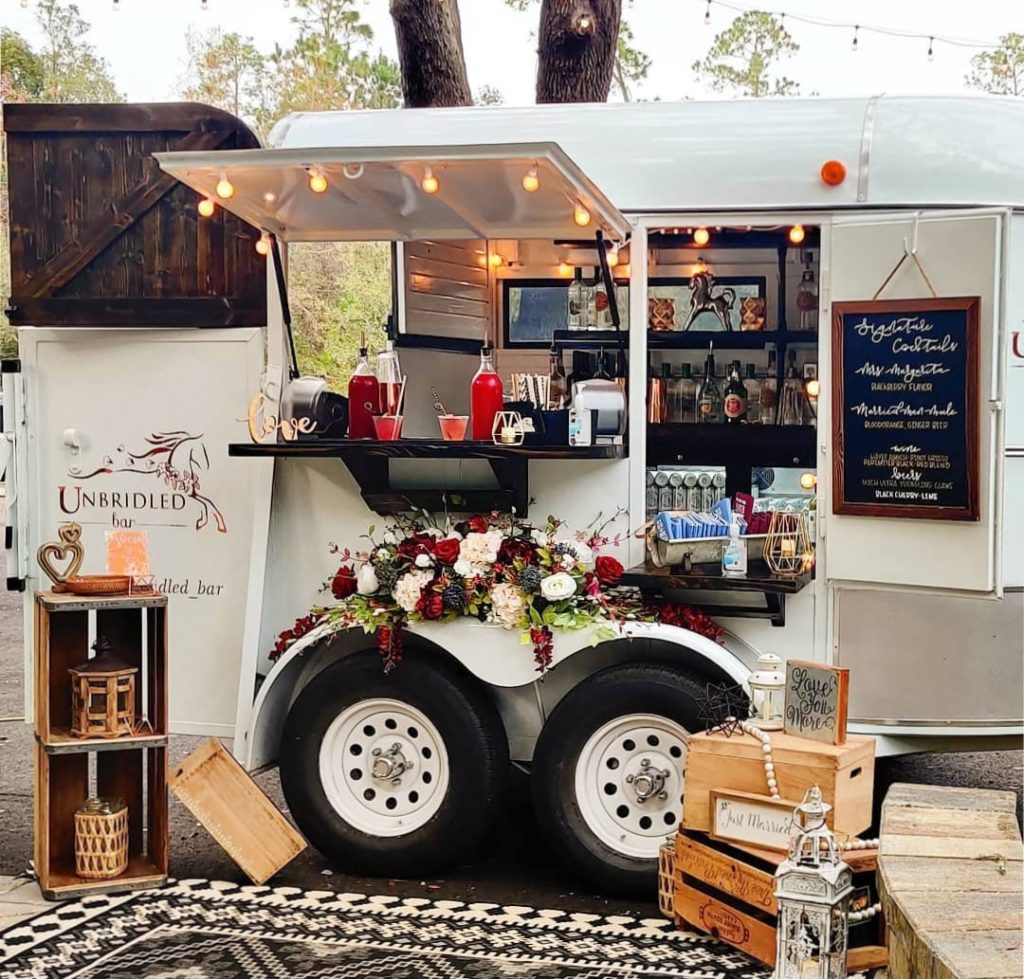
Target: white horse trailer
927	614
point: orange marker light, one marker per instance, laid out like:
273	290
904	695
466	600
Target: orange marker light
833	173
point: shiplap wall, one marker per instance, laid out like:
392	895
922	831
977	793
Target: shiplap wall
447	289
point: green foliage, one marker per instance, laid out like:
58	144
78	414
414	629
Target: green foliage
73	70
631	64
226	70
22	74
742	57
1000	71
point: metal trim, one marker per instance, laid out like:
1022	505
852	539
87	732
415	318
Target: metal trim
866	138
893	722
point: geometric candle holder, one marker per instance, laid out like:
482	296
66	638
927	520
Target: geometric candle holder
787	549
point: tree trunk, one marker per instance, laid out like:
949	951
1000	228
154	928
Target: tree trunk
578	40
430	52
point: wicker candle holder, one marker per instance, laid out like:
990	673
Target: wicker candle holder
101	839
102	696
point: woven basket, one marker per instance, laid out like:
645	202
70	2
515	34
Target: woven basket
101	843
666	881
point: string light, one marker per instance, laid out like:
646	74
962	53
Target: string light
581	215
855	30
24	4
613	256
317	180
707	15
263	245
931	49
813	388
808	480
564	270
430	183
117	5
531	180
206	207
796	234
495	260
701	236
286	4
203	5
225	188
269	197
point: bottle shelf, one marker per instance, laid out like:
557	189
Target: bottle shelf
699	340
728	444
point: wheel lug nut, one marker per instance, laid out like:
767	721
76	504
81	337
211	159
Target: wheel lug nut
376	752
629	780
396	781
663	796
645	763
396	747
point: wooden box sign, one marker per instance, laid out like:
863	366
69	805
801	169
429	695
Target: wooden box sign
755	820
905	408
817	698
845	774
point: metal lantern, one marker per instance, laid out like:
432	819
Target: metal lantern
102	695
767	693
812	887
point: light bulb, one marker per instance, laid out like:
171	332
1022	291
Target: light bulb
269	197
813	388
613	258
495	260
430	183
931	49
701	236
117	5
263	245
854	45
564	270
796	234
581	215
204	5
317	181
808	480
531	181
225	188
206	207
24	4
699	268
707	15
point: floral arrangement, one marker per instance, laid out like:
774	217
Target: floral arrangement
494	568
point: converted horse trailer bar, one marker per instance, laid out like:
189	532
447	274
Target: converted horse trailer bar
909	199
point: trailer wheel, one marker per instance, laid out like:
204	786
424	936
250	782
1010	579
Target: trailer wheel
607	776
393	775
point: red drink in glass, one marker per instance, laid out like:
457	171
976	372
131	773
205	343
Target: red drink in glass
388	427
453	427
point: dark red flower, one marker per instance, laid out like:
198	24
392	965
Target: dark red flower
446	550
415	545
433	604
517	549
543	647
390	642
344	582
609	570
478	525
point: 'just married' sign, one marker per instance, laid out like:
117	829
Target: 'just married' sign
754	820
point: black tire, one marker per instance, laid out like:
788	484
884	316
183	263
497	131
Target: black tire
473	736
614	692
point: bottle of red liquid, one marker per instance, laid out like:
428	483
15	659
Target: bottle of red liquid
485	397
389	377
363	390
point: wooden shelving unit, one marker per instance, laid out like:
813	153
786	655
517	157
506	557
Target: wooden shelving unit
368	461
130	768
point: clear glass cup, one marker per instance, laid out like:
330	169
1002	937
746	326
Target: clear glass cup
388	427
453	427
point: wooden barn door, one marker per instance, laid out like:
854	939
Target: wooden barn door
101	236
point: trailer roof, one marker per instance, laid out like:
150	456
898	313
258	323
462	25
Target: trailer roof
678	156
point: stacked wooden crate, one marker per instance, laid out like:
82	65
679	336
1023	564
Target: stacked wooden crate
727	888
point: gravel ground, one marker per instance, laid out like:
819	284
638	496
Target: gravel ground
516	868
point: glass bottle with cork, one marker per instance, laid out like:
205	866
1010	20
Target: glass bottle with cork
769	399
363	396
682	396
710	408
557	381
485	395
735	396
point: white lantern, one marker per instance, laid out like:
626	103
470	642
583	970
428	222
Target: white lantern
812	887
767	693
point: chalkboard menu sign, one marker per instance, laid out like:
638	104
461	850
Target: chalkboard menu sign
905	408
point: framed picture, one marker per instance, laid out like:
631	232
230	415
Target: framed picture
752	820
817	698
680	304
533	309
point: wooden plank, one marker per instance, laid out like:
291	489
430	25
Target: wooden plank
947	823
933	874
866	957
119	775
101	231
957	848
121	117
235	811
943	797
179	311
730	925
64	787
977	911
156	795
68	646
67	602
748	884
981	955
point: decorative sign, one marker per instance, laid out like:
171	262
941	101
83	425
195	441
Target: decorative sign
905	408
754	820
262	424
817	697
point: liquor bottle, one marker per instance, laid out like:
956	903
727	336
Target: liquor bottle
735	400
682	396
389	377
792	412
603	372
753	386
807	297
709	397
363	397
577	302
657	400
485	396
769	393
557	386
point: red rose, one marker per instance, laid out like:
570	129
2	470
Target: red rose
516	548
415	545
446	550
609	570
478	525
433	605
344	583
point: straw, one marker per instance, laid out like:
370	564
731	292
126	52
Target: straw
401	395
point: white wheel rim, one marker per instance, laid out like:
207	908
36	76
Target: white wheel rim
384	767
611	779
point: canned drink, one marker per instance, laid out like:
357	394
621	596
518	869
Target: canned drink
652	498
675	479
665	497
680	497
661	478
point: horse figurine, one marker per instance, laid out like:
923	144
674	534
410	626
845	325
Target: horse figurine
701	300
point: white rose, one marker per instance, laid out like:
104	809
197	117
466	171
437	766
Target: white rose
558	586
583	553
423	561
464	568
390	537
540	537
366	580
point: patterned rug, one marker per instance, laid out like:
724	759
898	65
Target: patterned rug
198	929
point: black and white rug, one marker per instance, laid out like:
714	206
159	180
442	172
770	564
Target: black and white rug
198	929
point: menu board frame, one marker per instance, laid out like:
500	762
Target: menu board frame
970	307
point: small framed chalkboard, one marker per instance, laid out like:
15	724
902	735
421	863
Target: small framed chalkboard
905	408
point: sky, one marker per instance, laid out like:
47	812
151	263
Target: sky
144	41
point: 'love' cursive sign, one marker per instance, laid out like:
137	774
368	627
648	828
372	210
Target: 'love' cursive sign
262	423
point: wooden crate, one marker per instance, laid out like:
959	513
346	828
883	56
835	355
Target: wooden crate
729	892
845	773
666	877
130	768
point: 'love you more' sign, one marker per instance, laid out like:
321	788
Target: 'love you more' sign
905	408
816	701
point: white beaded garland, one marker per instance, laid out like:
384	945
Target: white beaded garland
864	915
766	746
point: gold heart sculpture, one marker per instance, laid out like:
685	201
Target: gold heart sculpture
69	548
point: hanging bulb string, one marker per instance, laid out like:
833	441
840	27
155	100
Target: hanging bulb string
961	42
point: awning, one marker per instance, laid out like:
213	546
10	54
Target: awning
381	193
